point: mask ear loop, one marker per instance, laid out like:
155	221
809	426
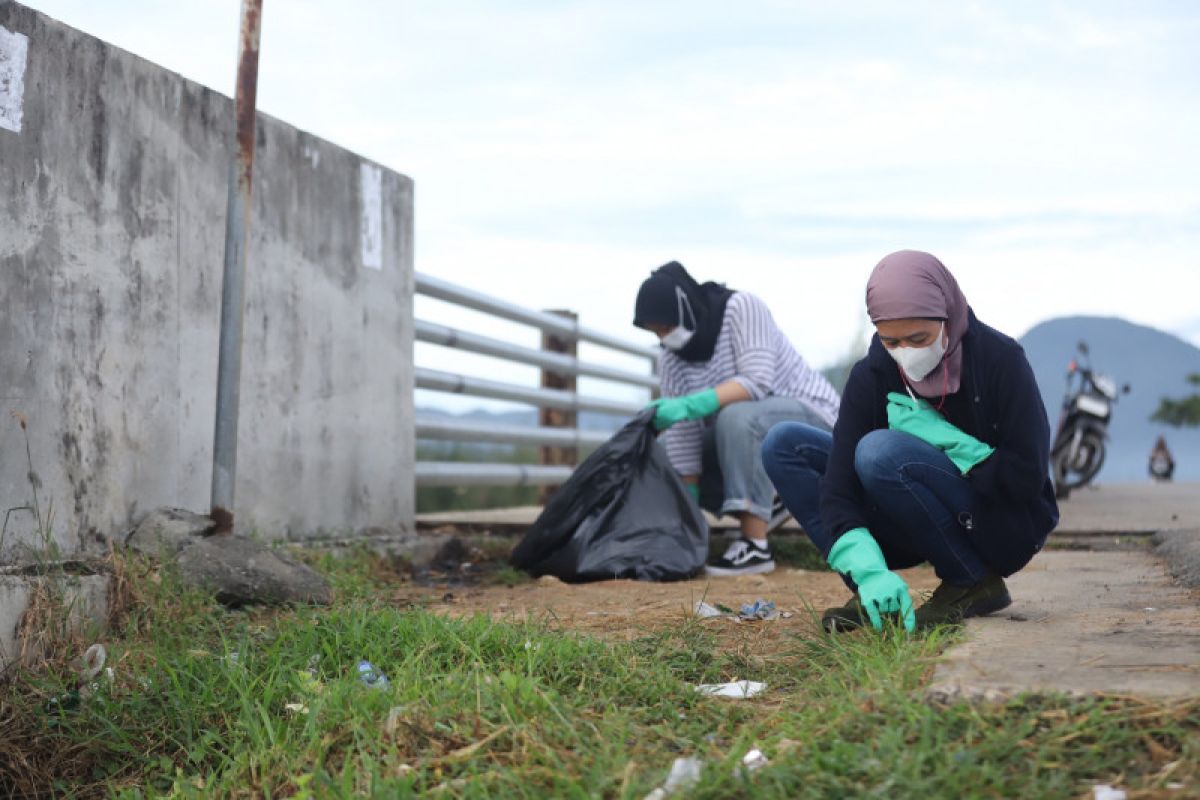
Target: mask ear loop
682	302
945	385
945	376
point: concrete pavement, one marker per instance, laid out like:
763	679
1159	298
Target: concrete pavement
1081	622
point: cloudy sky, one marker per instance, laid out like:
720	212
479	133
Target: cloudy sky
1046	151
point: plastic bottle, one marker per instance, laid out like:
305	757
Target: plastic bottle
371	676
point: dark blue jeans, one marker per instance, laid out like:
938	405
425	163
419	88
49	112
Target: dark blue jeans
918	505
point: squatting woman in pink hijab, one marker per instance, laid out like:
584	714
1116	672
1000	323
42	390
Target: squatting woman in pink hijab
940	454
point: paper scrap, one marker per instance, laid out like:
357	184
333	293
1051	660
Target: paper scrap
739	690
14	53
372	216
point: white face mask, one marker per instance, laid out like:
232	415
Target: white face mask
678	337
918	362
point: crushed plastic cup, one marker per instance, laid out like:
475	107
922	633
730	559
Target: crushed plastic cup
684	774
704	611
371	676
93	661
759	609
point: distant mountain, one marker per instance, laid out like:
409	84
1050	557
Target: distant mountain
1154	363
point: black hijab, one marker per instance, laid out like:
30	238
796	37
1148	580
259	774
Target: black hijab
658	304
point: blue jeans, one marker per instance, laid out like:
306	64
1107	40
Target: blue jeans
732	479
918	505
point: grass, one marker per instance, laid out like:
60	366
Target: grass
480	708
795	550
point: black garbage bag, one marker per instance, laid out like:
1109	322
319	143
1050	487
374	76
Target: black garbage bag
624	513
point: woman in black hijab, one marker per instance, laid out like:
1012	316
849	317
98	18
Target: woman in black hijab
728	374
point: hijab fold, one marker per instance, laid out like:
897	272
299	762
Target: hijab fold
658	304
910	284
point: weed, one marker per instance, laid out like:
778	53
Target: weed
43	524
207	702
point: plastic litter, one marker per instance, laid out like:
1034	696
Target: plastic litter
93	665
395	715
371	676
738	690
94	659
1102	791
705	611
684	774
296	708
759	609
753	760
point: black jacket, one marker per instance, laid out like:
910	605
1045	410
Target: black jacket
998	402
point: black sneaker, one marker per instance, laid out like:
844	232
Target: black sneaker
951	604
743	557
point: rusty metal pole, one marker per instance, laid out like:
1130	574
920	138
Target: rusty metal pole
237	229
555	417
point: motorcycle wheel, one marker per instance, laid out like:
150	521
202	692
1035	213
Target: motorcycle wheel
1088	461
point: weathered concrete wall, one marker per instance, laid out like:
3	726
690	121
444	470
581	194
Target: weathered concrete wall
112	205
74	602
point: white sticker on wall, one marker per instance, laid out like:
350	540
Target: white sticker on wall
372	216
14	47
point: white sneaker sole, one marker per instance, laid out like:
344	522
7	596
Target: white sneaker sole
760	568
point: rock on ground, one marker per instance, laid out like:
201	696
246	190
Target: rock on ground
167	531
241	571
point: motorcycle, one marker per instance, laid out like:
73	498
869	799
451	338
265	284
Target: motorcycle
1079	441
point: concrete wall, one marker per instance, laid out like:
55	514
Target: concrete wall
113	182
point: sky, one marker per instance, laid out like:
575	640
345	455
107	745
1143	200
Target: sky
1045	151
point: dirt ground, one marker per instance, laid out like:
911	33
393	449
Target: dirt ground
624	610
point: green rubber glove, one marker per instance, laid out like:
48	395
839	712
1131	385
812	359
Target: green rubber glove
880	590
694	491
669	410
922	420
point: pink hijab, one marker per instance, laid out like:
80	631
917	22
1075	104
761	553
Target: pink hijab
909	284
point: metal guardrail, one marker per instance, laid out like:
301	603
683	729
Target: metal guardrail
439	381
459	431
457	473
571	439
430	286
552	362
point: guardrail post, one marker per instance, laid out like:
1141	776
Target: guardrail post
557	417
